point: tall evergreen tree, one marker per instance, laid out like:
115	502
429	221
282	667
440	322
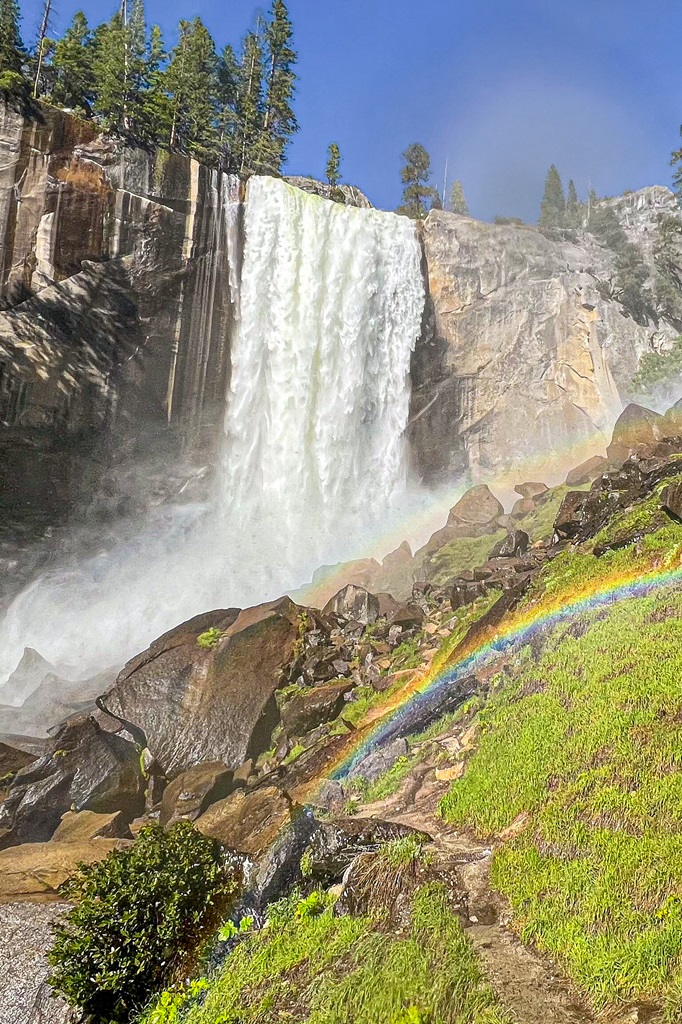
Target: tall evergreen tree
12	52
72	65
574	214
43	49
415	176
191	80
228	91
155	106
458	203
250	106
553	206
333	165
279	120
110	73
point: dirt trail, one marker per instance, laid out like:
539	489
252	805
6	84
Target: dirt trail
526	983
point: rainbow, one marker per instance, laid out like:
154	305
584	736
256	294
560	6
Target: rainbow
523	625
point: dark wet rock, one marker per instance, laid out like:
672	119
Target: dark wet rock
570	518
193	792
378	761
196	704
311	709
248	820
353	603
531	491
671	500
407	616
636	428
87	769
25	938
514	544
335	844
12	760
278	868
464	593
587	471
476	512
387	604
330	796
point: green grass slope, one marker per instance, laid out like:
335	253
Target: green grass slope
582	751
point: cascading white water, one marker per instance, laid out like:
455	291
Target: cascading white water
330	307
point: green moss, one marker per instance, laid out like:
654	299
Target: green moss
587	742
539	524
331	970
459	555
210	639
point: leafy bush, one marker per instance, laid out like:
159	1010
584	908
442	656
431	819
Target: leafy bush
139	914
211	638
659	372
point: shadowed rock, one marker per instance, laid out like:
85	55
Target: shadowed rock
193	792
313	708
636	428
353	603
587	471
199	703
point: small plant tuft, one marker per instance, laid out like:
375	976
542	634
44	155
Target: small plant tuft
211	638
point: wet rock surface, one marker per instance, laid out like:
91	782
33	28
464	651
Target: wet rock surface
25	937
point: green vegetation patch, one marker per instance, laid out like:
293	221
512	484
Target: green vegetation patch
139	915
459	555
307	964
586	744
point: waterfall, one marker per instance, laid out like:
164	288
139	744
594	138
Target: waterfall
331	306
329	309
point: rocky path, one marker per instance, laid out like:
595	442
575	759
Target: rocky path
526	983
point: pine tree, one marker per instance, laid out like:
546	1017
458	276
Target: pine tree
72	65
191	80
12	52
279	120
415	175
228	87
575	214
458	203
155	106
553	206
110	73
676	162
436	201
250	108
333	165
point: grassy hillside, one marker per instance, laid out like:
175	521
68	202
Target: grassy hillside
581	752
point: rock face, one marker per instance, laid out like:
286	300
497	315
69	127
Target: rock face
115	279
25	937
522	358
197	703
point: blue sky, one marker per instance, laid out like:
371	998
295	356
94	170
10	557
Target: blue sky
499	88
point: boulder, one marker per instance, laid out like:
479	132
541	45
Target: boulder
464	593
334	845
636	428
209	703
587	471
387	605
353	603
35	871
531	490
193	792
407	616
25	938
522	508
475	512
82	826
671	500
86	769
570	519
314	707
12	760
513	545
247	821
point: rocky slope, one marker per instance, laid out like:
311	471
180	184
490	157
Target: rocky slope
357	720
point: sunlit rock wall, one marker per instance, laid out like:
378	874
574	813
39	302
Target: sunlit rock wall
522	360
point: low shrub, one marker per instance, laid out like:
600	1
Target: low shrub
139	915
